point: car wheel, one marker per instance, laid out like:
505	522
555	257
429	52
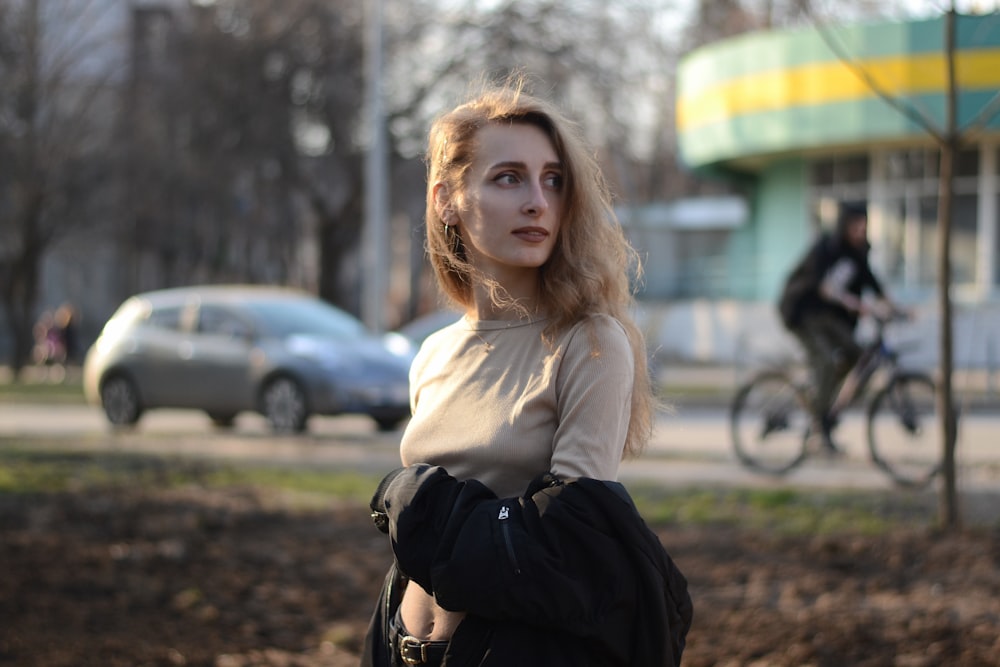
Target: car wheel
120	400
283	403
222	419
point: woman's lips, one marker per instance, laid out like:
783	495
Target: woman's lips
531	234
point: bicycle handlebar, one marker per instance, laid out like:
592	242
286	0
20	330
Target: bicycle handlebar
894	315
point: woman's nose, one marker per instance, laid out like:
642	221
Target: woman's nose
537	202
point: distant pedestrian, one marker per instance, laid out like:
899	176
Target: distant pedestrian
48	348
65	321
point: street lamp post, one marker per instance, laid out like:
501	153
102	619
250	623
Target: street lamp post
375	265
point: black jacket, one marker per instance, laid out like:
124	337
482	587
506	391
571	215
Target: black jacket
801	295
568	574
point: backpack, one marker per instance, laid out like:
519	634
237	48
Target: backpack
797	284
803	282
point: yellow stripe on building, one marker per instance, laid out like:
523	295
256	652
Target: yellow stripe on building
830	82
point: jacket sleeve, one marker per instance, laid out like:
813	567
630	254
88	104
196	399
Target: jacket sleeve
470	549
421	507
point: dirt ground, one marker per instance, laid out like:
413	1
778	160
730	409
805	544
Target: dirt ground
224	579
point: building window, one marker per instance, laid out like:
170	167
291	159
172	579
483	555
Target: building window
963	240
991	218
840	171
996	238
907	241
964	226
834	180
893	241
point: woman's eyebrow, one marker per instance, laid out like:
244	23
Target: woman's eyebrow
514	164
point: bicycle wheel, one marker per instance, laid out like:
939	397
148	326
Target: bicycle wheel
903	429
769	422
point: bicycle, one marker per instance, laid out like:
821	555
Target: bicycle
771	425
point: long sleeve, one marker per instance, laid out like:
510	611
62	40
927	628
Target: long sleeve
594	389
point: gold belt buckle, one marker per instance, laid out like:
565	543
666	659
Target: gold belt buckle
407	645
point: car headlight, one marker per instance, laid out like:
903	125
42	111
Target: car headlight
399	345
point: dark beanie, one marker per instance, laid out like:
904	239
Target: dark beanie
850	211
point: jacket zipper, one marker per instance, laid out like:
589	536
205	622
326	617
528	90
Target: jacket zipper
504	514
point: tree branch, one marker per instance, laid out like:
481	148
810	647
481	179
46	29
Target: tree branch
908	110
985	115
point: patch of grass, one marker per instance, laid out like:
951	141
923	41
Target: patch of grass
773	498
785	510
69	390
782	511
25	471
304	486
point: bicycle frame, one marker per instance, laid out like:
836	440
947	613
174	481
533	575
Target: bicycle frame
876	355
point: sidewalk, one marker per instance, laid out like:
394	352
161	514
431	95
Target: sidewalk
713	385
679	383
698	385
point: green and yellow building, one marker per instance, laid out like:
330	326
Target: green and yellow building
799	119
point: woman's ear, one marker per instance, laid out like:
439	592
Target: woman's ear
443	204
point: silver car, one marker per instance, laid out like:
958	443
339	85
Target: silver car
229	349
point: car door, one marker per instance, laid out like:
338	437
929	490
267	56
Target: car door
217	360
154	356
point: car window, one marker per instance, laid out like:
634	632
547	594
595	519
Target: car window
222	322
168	317
287	317
130	314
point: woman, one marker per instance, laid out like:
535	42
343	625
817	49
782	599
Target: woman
546	371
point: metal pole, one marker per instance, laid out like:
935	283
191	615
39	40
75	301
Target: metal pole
375	265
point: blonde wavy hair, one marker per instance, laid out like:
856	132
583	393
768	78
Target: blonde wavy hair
588	272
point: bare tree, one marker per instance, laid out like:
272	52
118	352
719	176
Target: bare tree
268	143
608	63
241	127
54	164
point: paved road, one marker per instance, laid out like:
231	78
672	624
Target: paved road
689	447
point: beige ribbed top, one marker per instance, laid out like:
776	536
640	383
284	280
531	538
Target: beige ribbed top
491	401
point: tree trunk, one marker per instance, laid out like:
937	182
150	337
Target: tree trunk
20	293
339	233
948	505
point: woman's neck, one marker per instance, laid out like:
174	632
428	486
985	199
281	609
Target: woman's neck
519	303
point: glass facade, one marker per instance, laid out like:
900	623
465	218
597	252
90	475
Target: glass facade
902	191
834	180
992	216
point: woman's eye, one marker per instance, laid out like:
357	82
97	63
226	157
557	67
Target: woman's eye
554	181
506	179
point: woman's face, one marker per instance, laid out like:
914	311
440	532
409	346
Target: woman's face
512	200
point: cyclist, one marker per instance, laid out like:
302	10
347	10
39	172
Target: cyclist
821	303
